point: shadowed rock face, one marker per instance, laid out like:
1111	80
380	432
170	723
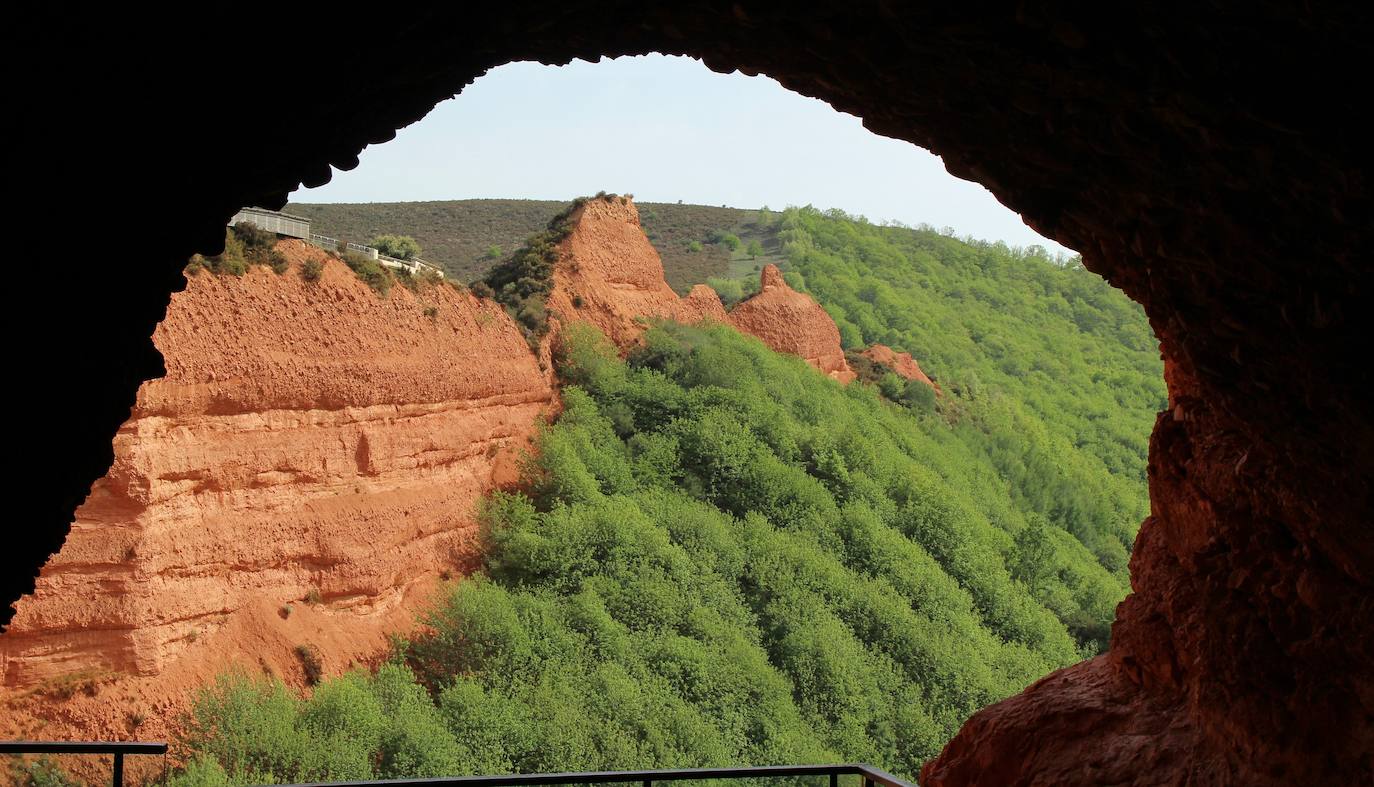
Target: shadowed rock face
1211	164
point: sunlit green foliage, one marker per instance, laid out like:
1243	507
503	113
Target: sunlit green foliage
1056	374
402	247
719	557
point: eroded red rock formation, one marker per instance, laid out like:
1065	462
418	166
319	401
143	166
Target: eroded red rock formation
312	446
901	364
608	273
791	322
701	303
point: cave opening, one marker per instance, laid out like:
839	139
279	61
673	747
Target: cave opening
1232	210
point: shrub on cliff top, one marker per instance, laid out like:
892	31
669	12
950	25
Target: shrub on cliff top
370	271
245	245
522	283
254	237
402	247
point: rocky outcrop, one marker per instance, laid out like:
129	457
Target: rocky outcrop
791	322
701	303
901	364
609	274
313	446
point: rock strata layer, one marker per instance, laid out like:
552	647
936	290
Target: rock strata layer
312	444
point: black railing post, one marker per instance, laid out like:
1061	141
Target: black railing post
119	769
834	779
648	783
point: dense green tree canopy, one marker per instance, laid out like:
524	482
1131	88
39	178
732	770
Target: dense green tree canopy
719	557
402	247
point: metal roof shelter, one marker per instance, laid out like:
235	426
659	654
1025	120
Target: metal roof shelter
274	221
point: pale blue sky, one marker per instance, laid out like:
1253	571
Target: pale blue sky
664	129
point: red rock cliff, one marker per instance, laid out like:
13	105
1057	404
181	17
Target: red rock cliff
309	441
791	322
610	275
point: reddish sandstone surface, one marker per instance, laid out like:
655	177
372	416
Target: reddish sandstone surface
611	276
791	322
312	445
701	303
901	364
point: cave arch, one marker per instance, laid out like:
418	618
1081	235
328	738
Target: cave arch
1210	165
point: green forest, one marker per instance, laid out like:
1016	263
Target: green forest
1061	371
718	556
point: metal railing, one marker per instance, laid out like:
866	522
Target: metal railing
117	748
871	777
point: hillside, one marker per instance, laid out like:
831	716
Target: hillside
719	553
1065	367
1058	374
458	235
718	557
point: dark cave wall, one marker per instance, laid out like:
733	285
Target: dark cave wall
1210	163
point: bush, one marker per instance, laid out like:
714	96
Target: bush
311	270
694	246
731	291
493	252
311	664
254	237
918	396
727	239
402	247
278	262
370	271
42	772
523	282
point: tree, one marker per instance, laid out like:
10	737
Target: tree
727	239
402	247
918	396
1033	552
754	249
